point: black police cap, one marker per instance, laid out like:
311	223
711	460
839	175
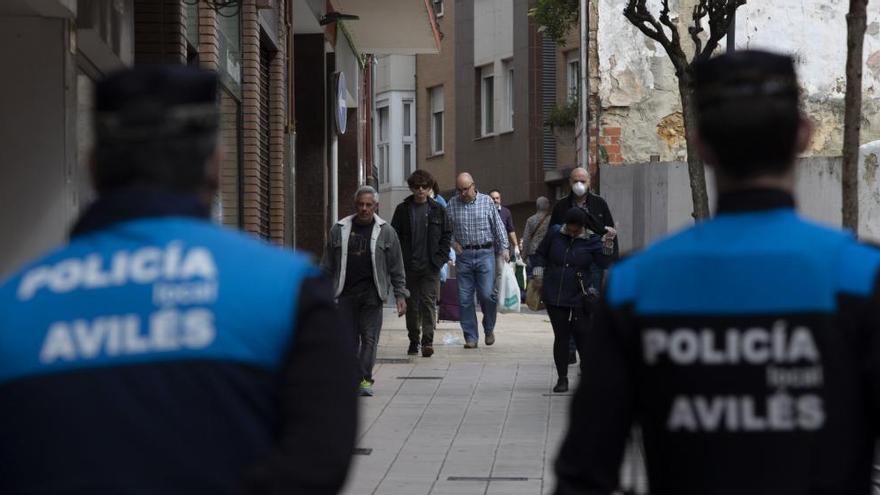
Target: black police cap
146	102
745	74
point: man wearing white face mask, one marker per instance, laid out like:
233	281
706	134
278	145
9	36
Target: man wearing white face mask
582	198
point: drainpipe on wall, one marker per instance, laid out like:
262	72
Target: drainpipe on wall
334	177
585	84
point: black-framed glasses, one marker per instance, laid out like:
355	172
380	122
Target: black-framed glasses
421	186
464	189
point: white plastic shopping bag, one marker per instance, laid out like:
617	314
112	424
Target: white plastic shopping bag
508	293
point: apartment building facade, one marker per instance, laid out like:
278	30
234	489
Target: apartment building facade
283	162
435	102
394	132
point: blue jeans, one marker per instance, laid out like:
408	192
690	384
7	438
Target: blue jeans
475	270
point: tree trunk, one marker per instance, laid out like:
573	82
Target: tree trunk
696	173
852	120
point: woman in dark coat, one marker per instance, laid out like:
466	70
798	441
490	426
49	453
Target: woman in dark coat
562	263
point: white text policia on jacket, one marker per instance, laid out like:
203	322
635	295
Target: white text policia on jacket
144	266
781	409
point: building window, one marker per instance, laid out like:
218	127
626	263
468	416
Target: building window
508	95
436	97
407	119
572	75
383	149
438	7
407	159
487	101
408	137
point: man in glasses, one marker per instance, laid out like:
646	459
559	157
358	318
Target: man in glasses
478	234
425	233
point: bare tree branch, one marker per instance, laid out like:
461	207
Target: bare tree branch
720	13
638	14
700	11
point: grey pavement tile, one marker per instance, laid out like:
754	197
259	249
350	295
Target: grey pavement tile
488	415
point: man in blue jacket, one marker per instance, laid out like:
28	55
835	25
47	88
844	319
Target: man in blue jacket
747	347
157	352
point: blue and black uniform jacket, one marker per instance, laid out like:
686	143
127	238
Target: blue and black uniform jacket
747	348
158	353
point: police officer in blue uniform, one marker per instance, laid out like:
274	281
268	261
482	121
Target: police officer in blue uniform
746	347
157	352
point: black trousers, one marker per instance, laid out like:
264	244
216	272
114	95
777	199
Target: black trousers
567	323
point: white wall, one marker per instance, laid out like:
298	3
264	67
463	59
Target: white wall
37	163
395	73
45	132
493	30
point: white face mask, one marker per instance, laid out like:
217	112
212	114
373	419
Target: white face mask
579	188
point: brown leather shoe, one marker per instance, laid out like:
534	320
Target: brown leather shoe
470	345
427	350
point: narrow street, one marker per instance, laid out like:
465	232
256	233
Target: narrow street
463	422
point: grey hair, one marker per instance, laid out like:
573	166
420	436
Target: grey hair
366	190
542	204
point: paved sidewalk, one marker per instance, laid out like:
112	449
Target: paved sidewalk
450	423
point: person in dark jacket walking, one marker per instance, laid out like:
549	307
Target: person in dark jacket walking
425	234
562	264
747	347
583	198
157	352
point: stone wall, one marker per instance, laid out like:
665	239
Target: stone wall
639	92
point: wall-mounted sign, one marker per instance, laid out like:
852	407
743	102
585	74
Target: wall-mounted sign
340	108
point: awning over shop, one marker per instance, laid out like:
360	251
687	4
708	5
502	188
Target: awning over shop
403	27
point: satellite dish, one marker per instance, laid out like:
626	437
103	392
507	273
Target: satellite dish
341	109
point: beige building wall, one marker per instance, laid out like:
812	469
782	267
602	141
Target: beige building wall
432	71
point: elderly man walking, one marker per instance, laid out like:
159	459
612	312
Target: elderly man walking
478	234
363	258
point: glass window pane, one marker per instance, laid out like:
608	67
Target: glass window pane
437	132
488	104
407	159
407	117
383	124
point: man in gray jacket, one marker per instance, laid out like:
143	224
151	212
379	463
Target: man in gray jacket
364	260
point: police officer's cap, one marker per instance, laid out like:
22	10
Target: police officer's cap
152	102
745	75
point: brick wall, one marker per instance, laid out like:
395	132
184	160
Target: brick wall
609	145
278	120
250	107
159	27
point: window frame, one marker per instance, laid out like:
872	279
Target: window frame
509	95
436	130
487	101
383	142
572	70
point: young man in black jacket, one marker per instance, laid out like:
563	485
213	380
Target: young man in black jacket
747	347
425	233
158	352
